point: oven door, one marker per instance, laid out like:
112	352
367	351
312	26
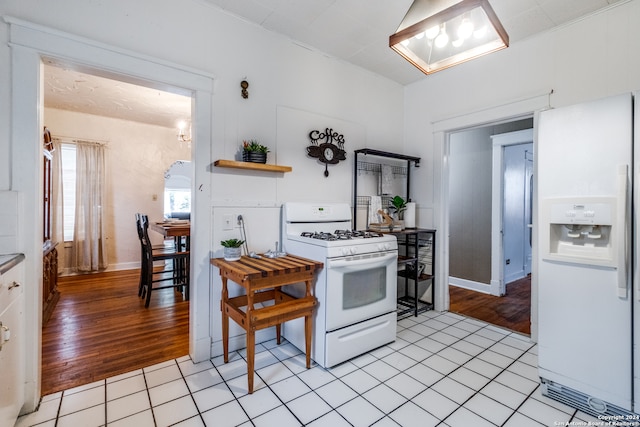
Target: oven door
360	287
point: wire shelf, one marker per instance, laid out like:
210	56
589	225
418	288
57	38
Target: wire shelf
377	168
365	201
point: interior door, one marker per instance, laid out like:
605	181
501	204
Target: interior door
518	171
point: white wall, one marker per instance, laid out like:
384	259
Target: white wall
193	34
588	59
470	201
289	86
137	156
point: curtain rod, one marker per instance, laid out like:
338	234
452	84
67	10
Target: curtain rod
72	140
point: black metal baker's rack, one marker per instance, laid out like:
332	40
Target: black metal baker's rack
412	241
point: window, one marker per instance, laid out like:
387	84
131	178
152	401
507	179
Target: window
177	190
68	159
177	201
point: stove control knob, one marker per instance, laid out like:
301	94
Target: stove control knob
353	250
383	247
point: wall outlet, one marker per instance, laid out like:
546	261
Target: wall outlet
227	222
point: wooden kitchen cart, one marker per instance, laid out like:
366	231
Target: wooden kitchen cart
417	255
262	279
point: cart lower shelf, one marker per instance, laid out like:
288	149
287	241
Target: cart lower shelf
409	305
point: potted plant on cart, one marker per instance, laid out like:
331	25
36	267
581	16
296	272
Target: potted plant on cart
232	249
253	151
398	206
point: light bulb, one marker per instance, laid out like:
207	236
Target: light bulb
465	29
405	42
432	32
480	32
457	43
442	39
419	35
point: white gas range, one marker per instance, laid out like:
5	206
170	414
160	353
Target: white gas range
356	289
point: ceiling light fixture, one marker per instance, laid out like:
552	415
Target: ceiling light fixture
434	18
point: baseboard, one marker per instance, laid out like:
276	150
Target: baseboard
470	284
124	266
112	267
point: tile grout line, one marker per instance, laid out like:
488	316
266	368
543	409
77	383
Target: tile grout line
146	386
59	408
106	419
189	390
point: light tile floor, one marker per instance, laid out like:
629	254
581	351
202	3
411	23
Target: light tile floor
443	370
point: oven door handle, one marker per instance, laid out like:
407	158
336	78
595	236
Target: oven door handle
359	260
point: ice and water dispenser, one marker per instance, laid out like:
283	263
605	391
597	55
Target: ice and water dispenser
580	230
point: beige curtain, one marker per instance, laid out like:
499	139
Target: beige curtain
57	203
89	243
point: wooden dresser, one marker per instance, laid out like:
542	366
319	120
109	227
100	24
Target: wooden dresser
50	294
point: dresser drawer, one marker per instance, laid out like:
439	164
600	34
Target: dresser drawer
11	281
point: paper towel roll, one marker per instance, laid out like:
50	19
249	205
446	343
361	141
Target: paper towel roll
410	215
375	204
387	179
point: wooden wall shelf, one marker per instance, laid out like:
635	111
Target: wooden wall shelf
251	166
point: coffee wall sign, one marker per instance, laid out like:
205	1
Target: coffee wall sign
327	147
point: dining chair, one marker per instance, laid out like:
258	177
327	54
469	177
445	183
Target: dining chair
151	276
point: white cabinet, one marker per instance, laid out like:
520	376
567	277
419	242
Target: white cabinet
12	350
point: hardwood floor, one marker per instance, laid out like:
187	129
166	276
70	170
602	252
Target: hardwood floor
512	311
100	328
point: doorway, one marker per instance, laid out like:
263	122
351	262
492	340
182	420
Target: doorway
517	193
30	45
141	144
490	224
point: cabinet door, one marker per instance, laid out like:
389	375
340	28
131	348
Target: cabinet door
12	363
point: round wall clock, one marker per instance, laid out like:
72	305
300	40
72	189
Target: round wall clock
330	151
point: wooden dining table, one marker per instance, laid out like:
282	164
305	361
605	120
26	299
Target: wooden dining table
179	230
181	233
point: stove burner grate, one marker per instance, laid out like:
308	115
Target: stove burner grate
341	235
320	235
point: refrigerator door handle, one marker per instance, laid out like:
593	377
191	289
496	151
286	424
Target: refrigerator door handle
636	186
622	231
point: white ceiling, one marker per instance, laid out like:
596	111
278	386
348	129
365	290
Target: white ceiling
356	31
70	89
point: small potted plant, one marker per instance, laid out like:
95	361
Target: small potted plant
232	249
253	151
398	206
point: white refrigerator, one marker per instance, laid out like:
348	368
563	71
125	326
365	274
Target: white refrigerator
588	285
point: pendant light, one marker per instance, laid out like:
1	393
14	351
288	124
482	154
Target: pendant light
438	34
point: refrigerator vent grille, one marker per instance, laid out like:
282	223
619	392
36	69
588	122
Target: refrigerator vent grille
578	400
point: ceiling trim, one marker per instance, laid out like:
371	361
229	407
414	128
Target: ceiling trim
29	35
